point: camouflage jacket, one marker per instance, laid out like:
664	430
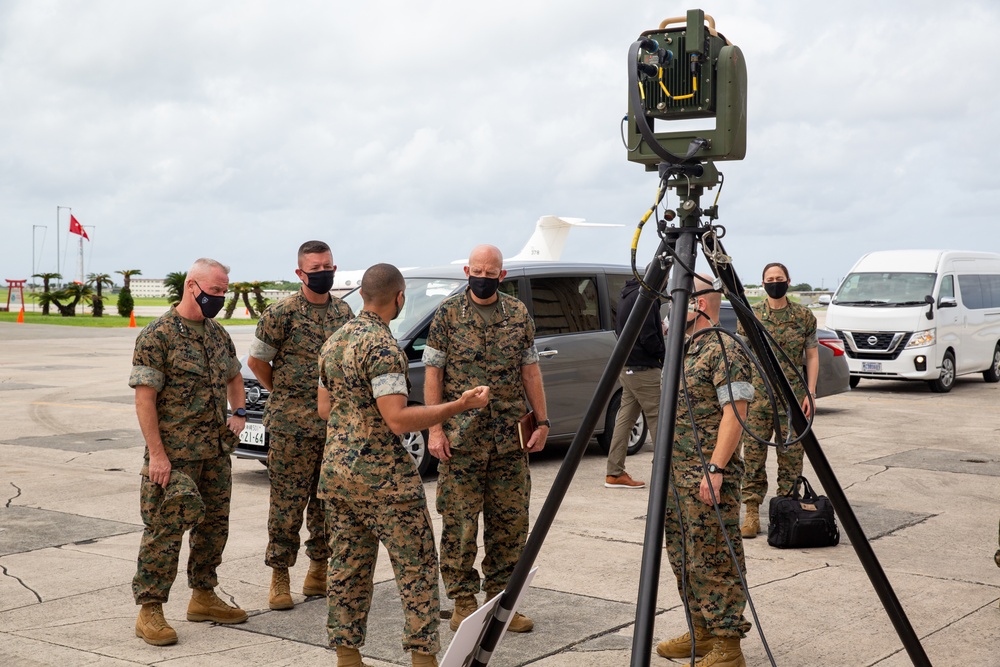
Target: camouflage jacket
794	328
363	457
189	373
708	377
289	335
473	352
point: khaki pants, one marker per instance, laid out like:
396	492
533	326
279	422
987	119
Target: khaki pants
640	391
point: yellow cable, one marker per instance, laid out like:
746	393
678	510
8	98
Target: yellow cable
642	91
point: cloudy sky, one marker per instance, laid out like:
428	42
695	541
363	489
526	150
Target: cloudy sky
407	132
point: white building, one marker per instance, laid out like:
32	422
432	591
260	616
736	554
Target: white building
148	287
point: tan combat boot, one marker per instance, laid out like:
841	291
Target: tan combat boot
725	653
348	656
423	659
315	582
205	605
280	597
680	647
520	622
464	606
751	522
152	627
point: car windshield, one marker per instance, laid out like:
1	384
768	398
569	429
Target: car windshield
423	296
888	289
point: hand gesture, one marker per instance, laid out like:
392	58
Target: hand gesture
475	398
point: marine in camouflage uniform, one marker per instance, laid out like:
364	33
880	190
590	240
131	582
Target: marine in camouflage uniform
717	385
713	589
486	472
369	481
289	335
794	329
190	370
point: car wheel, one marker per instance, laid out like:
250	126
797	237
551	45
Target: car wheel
636	439
855	381
415	443
992	374
947	380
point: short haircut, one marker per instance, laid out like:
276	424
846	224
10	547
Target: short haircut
704	282
380	284
784	269
313	248
204	265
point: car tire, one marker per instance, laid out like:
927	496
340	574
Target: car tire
415	443
992	374
943	384
639	430
855	381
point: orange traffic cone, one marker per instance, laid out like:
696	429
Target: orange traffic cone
20	316
247	313
131	320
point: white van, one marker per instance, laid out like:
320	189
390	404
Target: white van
920	315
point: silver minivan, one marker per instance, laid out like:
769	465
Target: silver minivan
573	306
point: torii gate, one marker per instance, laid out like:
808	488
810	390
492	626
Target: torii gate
19	286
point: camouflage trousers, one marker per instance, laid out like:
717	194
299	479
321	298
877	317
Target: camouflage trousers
293	465
356	528
714	595
755	456
161	540
478	480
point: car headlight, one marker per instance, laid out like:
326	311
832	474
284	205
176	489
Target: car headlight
921	339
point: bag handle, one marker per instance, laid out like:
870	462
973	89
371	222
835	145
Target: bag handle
808	493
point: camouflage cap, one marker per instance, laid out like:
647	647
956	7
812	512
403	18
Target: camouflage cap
182	503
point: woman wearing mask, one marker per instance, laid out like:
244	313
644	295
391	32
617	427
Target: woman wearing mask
793	327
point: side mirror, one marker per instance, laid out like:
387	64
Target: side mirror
929	300
948	302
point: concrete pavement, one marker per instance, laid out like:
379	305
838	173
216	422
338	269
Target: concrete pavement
920	470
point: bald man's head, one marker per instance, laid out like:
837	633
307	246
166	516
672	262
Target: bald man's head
485	260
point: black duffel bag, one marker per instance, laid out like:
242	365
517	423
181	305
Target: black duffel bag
797	523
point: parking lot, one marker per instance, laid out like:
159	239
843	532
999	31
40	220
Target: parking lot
920	470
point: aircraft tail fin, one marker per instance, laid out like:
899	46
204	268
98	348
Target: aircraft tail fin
547	241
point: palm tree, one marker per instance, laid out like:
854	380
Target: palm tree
127	277
125	302
44	298
75	291
174	282
99	280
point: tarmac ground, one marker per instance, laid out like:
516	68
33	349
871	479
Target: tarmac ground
919	469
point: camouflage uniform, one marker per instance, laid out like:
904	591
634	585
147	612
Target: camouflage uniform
714	595
487	473
372	490
794	328
290	334
189	372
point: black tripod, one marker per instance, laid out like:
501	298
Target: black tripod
682	245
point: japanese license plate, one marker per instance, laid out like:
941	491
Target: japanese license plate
871	366
252	434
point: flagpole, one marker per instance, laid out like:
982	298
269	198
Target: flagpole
58	251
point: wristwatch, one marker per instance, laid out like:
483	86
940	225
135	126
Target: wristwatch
713	469
544	422
240	412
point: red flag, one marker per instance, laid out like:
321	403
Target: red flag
76	228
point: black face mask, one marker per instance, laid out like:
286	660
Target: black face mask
484	287
320	281
210	305
776	290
